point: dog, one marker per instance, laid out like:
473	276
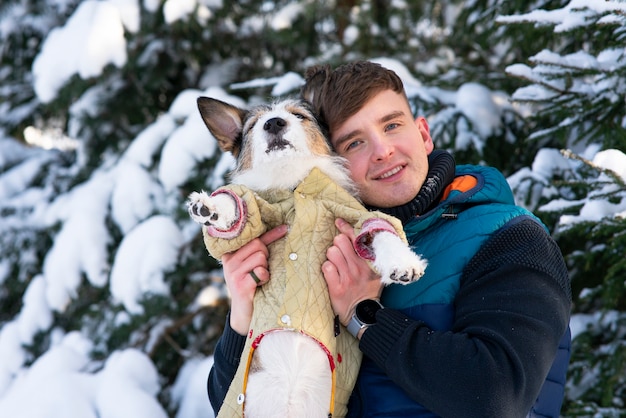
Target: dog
298	360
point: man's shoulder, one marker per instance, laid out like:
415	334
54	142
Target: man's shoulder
522	241
483	170
489	185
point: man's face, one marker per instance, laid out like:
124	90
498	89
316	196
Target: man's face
386	149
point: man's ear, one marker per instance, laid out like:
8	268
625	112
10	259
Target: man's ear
225	122
424	129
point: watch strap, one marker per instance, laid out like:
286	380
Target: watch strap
354	326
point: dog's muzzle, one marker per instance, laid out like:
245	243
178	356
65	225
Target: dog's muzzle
276	142
274	125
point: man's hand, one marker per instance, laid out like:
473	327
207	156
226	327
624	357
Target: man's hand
350	278
241	283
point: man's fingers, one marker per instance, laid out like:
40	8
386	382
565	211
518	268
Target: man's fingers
345	228
336	258
260	275
274	234
330	271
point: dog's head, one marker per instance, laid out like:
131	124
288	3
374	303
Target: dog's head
266	133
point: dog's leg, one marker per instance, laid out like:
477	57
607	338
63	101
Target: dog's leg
289	377
395	260
219	211
223	212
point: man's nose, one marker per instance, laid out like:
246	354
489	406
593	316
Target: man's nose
382	148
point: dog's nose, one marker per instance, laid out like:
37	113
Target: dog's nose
274	125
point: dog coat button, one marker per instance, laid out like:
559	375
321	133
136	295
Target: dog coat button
293	256
240	398
285	319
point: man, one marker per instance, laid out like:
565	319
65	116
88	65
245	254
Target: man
479	334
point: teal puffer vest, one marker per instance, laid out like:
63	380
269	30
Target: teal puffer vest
478	202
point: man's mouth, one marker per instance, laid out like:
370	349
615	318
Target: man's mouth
390	173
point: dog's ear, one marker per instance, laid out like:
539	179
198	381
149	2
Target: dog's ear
224	121
315	78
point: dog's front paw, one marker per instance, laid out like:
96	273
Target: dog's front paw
217	211
395	261
407	273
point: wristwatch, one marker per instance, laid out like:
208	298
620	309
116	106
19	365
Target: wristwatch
364	316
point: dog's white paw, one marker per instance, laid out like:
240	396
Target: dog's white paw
218	211
395	261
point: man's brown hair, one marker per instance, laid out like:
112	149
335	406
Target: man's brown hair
338	94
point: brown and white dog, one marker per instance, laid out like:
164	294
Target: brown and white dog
298	361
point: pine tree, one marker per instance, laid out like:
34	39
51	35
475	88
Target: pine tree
135	120
129	118
575	86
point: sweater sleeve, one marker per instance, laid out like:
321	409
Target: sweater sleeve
512	309
226	359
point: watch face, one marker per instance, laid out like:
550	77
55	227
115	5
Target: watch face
366	311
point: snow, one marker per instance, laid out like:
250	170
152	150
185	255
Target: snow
35	314
149	141
81	244
411	84
186	146
132	201
594	206
175	10
68	384
601	68
126	386
612	159
285	17
16	179
570	17
129	383
64	380
477	103
92	38
189	392
145	254
285	84
13	356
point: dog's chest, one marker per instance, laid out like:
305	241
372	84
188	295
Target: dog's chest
297	287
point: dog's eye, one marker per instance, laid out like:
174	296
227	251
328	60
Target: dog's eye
300	116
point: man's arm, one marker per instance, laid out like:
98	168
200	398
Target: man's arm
226	359
512	309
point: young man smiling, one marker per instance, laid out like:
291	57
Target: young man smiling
485	332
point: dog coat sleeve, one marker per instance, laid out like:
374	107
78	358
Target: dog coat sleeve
257	210
365	222
363	241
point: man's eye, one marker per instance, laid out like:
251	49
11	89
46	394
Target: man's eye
391	126
352	145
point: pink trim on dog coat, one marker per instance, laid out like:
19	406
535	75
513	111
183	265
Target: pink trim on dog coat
363	242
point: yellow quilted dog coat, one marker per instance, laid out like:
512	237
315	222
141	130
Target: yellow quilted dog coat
296	297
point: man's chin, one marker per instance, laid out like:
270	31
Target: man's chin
386	202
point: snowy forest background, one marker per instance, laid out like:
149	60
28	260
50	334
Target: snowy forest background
110	305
